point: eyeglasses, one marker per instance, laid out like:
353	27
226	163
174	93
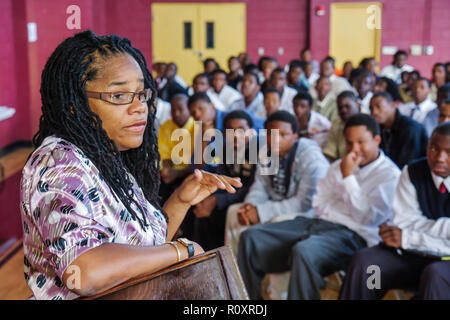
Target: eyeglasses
121	97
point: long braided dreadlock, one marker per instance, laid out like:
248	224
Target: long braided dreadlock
66	114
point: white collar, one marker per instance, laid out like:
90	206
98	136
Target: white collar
438	181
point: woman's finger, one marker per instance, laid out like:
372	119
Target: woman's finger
228	186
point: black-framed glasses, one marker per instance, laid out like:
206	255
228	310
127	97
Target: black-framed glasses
121	97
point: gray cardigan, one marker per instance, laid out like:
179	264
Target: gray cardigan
309	166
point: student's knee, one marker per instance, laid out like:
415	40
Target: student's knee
432	274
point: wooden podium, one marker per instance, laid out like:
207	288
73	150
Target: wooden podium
213	275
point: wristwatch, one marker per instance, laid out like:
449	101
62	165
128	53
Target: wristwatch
188	244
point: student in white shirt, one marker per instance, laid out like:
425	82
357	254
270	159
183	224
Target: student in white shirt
325	103
399	65
338	84
310	74
201	84
226	94
422	104
353	199
253	99
364	84
163	112
278	80
311	123
412	249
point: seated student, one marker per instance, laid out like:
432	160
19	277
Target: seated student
266	66
289	190
201	84
351	202
272	101
253	99
441	113
384	84
295	76
364	84
402	138
347	69
226	94
311	123
439	78
370	64
172	86
394	70
348	106
279	82
310	75
325	103
235	74
338	84
209	65
405	89
173	174
306	57
409	256
422	104
210	214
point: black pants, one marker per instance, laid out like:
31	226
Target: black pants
210	232
431	278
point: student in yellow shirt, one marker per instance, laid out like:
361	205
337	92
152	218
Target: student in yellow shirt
175	167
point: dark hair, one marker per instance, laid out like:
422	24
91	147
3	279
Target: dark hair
329	59
197	97
446	101
285	116
400	52
424	79
265	58
250	68
66	114
365	61
362	119
296	64
346	94
416	73
444	88
278	70
442	129
304	96
207	60
238	114
217	71
202	75
386	95
254	75
271	89
392	88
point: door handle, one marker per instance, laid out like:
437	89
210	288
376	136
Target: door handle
198	53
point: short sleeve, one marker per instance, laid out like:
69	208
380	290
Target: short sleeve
67	205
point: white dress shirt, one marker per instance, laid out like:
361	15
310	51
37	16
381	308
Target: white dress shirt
418	112
365	103
418	231
287	99
212	96
362	201
227	96
162	112
318	127
256	106
395	73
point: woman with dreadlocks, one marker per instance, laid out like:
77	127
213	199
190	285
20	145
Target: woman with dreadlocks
90	211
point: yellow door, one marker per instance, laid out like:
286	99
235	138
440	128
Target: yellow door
355	31
189	33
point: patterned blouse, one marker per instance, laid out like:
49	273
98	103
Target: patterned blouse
67	209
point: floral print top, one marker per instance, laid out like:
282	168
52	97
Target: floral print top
67	209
